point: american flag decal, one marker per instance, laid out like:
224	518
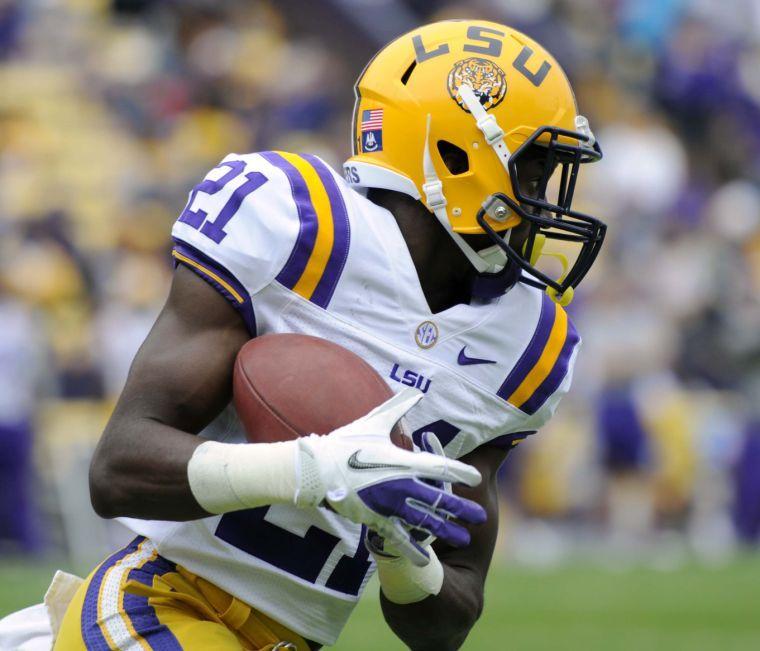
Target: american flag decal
372	119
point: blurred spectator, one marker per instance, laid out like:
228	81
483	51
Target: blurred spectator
624	454
747	486
19	376
10	26
622	439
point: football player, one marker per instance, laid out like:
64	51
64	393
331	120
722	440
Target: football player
425	260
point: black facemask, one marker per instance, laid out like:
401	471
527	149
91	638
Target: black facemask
562	223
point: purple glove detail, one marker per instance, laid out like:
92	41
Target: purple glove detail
424	507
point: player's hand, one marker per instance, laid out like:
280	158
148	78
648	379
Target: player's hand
375	543
365	478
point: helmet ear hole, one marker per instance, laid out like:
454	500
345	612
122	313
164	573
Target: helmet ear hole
454	158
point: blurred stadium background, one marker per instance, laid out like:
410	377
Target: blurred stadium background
633	521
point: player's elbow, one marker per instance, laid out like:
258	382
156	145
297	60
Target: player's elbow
465	616
454	616
107	494
450	632
460	618
101	491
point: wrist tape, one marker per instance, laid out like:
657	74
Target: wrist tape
229	477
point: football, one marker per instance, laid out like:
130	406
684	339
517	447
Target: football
291	385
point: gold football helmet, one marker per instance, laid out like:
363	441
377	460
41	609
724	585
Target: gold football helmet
493	96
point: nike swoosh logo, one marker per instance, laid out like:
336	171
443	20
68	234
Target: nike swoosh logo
356	464
464	360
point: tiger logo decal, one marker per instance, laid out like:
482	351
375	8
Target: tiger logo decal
486	79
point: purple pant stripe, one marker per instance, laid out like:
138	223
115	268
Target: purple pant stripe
307	216
325	288
556	375
246	307
533	352
142	615
91	633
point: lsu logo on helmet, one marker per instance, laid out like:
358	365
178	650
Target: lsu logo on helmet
486	79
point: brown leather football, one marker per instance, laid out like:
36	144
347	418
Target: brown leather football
291	385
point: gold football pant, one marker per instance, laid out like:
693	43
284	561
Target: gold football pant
136	600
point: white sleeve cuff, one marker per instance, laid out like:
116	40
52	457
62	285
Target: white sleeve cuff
403	582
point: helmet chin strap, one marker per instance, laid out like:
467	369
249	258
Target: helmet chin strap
487	123
491	259
433	189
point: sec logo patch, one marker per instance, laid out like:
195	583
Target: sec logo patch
426	334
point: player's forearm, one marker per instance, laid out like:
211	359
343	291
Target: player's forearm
145	469
140	470
444	620
180	380
440	622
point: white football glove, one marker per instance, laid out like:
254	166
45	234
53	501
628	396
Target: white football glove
358	472
375	543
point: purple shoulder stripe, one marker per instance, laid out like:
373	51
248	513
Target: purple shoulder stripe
341	234
91	633
307	217
204	262
533	351
556	375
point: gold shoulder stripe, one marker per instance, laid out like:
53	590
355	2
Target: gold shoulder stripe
545	363
323	244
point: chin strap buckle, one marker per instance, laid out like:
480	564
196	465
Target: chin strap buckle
491	129
434	194
582	125
486	122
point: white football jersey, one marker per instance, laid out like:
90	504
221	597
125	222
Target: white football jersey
295	249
